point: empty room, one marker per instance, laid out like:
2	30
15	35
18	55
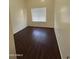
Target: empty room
39	29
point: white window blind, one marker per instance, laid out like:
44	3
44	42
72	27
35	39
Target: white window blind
38	14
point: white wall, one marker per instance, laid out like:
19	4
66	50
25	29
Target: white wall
62	29
18	15
49	4
18	21
11	42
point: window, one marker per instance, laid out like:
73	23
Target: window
38	14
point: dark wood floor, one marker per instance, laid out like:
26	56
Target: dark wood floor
37	43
